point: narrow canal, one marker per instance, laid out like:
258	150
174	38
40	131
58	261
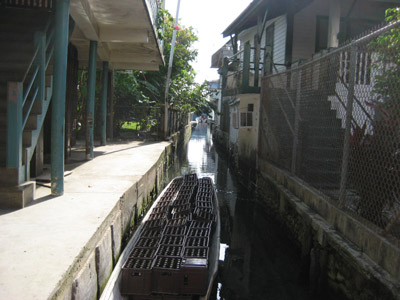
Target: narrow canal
257	259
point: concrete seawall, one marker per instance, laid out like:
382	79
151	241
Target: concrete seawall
65	247
337	250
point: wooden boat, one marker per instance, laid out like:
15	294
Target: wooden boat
157	263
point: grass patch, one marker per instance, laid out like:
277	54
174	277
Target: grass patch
131	125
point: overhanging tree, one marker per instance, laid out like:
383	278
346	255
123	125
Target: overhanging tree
139	88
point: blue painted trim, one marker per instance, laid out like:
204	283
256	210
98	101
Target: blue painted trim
104	104
91	96
14	124
58	107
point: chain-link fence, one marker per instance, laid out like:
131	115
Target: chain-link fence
335	122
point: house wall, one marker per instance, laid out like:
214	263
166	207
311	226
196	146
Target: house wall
280	41
304	29
305	22
234	132
248	136
279	50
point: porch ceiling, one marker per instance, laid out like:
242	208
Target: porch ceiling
123	29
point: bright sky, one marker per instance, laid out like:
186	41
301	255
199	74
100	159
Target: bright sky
208	18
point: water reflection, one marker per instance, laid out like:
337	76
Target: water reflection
258	261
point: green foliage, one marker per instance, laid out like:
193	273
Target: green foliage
387	50
374	160
147	88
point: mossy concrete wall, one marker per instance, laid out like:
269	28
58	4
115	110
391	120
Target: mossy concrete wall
92	268
338	252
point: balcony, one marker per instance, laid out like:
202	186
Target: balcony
242	71
126	32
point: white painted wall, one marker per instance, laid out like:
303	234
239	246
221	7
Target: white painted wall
233	132
248	136
305	22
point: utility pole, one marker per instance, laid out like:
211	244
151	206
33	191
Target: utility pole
171	58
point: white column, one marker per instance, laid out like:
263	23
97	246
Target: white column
334	23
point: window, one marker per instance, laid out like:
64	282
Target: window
246	119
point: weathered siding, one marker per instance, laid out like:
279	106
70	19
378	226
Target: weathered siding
305	23
279	50
248	136
233	132
280	41
304	29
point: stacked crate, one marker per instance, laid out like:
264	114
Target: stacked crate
174	243
137	272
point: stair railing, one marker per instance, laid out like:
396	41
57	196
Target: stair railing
21	99
37	4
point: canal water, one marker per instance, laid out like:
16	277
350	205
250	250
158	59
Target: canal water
257	259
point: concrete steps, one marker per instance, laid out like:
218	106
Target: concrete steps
13	197
323	146
17	29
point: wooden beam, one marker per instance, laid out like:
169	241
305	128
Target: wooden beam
83	16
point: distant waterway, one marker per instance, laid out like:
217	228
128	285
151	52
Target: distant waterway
258	261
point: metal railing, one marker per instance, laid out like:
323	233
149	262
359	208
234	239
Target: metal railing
242	71
335	123
42	4
29	99
177	120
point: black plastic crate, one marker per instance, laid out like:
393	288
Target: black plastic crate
201	224
196	242
151	224
163	204
192	178
187	190
199	232
161	297
174	230
194	275
166	275
179	221
204	214
179	202
160	210
156	217
187	208
137	277
147	242
196	252
151	233
143	252
168	250
204	205
176	240
205	180
206	194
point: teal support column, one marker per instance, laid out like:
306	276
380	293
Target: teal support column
90	103
104	104
14	125
246	67
58	106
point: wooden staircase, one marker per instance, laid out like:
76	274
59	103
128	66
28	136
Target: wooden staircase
17	38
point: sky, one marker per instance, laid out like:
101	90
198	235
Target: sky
209	18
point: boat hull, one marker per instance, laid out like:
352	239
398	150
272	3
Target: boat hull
184	270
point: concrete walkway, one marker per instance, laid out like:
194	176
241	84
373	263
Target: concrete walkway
40	242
